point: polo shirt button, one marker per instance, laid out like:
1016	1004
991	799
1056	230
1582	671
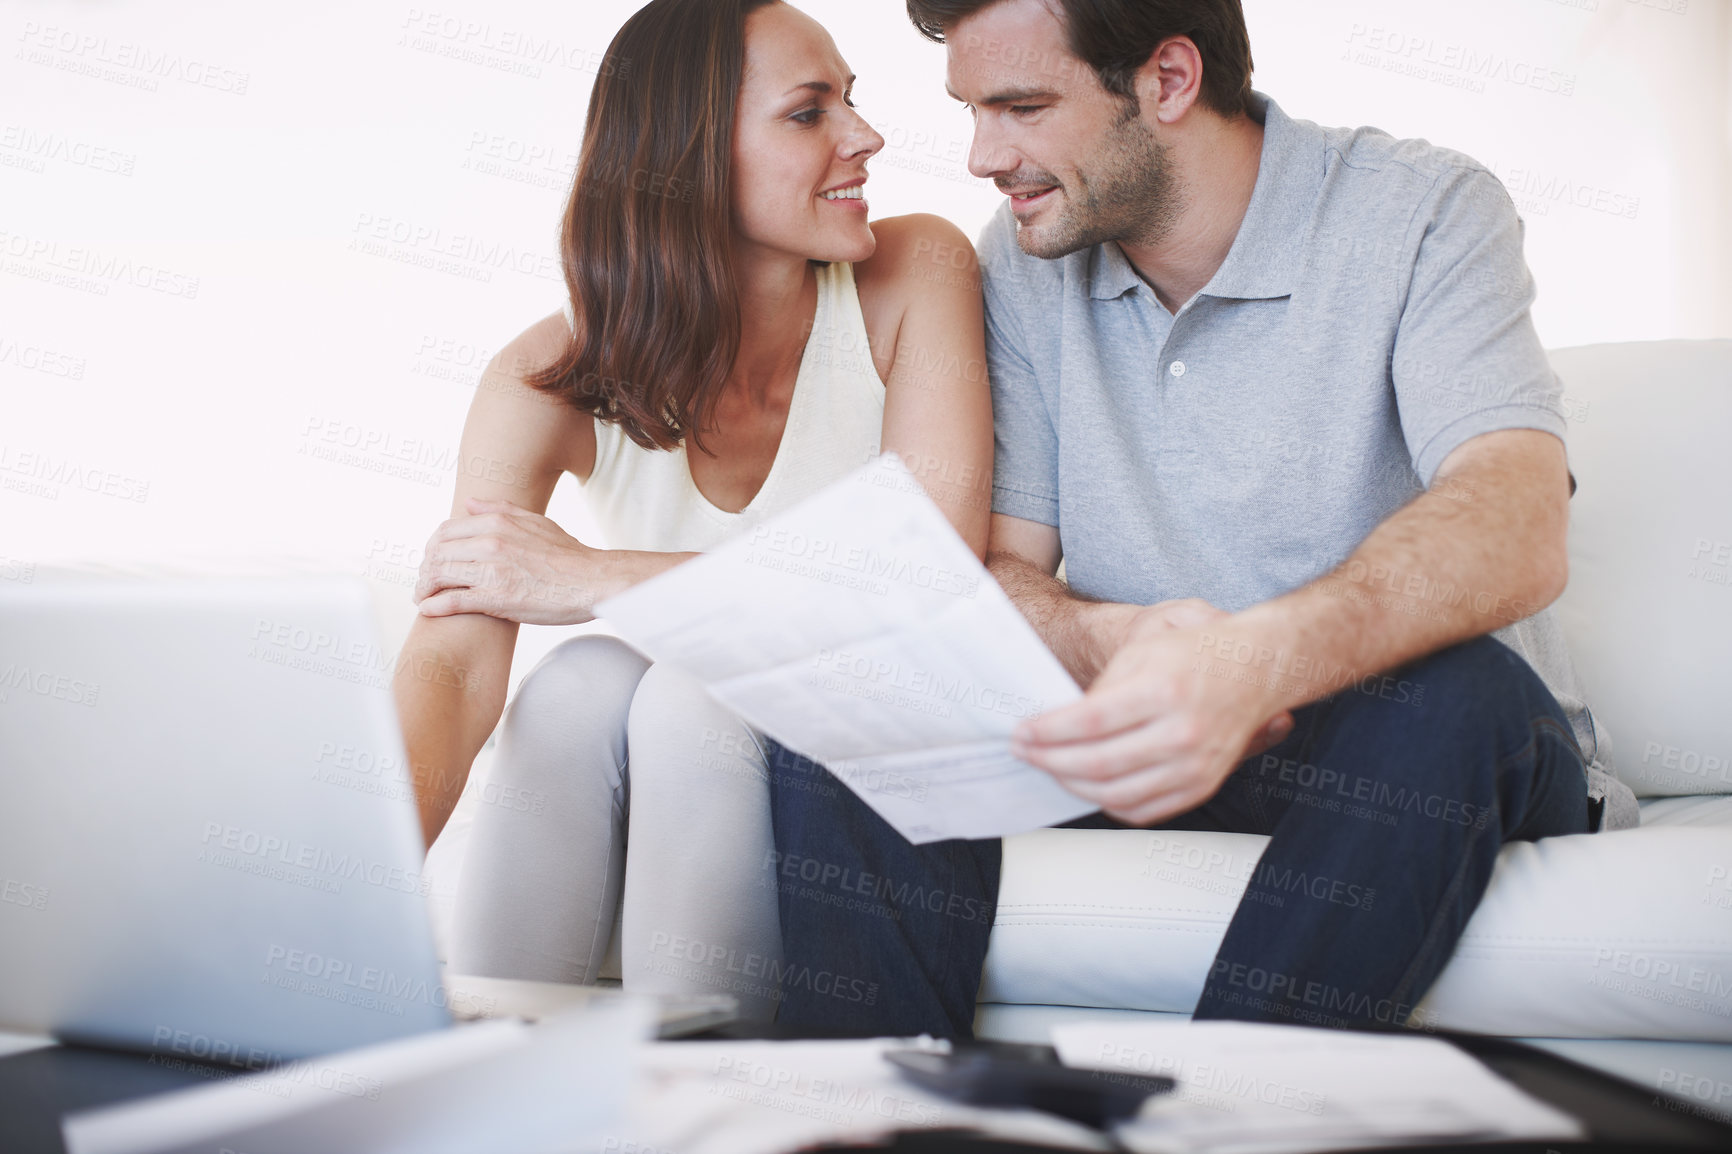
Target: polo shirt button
1177	368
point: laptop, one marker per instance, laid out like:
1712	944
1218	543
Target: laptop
205	848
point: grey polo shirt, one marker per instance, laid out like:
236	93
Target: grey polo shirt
1370	317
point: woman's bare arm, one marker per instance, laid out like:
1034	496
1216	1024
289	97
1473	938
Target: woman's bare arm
920	293
450	683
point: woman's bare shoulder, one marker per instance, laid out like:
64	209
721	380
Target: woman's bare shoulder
535	347
922	261
918	256
540	433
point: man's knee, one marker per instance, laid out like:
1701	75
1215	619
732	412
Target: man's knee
1479	705
1479	669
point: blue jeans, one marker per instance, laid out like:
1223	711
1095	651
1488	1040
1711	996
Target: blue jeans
1385	809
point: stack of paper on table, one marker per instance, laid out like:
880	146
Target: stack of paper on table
472	1089
1248	1088
575	1084
859	629
771	1097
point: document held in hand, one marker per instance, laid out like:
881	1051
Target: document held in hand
859	629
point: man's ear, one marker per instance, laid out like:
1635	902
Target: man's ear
1170	81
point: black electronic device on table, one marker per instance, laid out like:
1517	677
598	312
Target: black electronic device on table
1004	1074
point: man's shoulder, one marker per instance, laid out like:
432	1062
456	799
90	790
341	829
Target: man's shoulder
1369	170
1373	150
1371	196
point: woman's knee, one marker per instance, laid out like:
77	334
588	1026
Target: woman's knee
594	672
676	728
570	713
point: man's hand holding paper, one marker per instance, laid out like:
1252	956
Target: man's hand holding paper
860	630
1157	734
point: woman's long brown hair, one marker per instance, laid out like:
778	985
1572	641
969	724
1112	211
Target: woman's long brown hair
645	243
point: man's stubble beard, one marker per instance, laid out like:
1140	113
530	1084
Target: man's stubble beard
1133	196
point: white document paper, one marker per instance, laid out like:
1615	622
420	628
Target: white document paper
780	1097
1247	1088
859	629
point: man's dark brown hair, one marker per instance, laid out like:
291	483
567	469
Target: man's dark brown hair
1117	37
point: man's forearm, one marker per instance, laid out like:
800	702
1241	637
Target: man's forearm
1443	569
1078	631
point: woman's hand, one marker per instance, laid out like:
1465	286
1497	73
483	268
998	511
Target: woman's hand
505	561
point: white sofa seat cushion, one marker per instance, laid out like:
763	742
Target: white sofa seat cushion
1625	934
1709	810
1113	918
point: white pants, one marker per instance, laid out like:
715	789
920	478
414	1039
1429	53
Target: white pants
651	789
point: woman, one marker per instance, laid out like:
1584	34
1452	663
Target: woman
737	337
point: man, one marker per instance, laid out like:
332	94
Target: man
1272	394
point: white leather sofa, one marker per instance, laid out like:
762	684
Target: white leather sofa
1616	947
1617	935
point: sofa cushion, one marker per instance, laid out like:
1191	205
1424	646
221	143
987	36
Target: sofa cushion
1623	934
1648	611
1709	810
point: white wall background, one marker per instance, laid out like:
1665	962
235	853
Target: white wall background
232	235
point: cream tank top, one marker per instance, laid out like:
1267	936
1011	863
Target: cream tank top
646	499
